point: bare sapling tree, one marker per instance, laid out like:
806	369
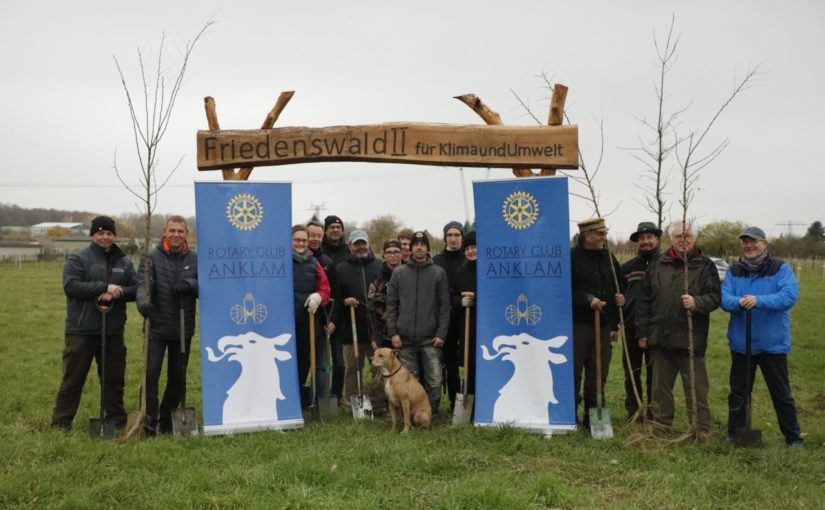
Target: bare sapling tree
691	162
654	153
150	111
587	179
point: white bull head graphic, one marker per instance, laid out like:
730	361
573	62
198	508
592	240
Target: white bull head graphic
526	397
254	395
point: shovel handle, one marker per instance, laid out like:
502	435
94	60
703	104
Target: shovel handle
354	331
312	362
466	347
597	321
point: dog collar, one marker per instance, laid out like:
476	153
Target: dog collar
396	371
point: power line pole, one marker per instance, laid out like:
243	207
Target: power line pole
790	224
317	208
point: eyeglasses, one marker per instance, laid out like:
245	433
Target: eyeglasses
300	241
392	252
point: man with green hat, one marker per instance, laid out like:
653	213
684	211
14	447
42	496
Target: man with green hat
646	237
593	290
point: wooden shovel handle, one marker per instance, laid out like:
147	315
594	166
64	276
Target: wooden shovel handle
354	332
312	363
466	347
597	319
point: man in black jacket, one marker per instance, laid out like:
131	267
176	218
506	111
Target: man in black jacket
355	275
594	290
335	247
99	276
172	275
646	238
451	259
330	313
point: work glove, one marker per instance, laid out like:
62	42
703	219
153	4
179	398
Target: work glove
468	300
182	288
313	302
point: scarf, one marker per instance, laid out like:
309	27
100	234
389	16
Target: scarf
754	265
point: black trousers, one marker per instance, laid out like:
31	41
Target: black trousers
176	365
775	371
639	359
78	353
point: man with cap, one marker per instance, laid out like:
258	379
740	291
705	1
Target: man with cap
335	247
662	311
418	316
355	275
646	237
98	279
451	259
594	291
766	287
173	282
377	304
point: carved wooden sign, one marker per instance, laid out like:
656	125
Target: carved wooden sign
413	143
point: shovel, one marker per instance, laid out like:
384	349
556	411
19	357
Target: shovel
328	405
600	424
746	436
184	419
361	405
463	410
102	428
313	366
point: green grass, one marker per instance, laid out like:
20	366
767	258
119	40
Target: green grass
344	464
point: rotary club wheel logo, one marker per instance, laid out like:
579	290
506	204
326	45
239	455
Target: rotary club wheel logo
244	211
520	210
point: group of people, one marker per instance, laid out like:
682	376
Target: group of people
408	300
415	302
666	298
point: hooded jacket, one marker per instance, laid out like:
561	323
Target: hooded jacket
776	291
660	316
86	275
418	302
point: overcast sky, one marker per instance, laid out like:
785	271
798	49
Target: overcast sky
64	114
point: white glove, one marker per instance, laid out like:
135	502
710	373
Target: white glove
468	301
313	302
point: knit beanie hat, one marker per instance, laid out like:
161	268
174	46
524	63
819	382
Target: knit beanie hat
420	237
329	220
454	224
470	239
102	223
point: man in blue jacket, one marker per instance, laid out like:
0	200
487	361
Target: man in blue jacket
765	285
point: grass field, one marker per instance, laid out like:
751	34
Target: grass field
343	464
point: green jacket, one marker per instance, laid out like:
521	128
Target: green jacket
660	316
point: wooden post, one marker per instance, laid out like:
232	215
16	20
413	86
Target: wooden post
271	117
555	118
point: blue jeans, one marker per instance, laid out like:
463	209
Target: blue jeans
775	371
177	362
423	360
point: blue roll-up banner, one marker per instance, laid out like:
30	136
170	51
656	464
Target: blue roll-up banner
249	368
524	339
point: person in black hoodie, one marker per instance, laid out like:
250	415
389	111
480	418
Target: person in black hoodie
329	314
334	247
451	259
593	290
466	283
646	238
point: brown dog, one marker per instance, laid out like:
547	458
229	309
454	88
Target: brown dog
403	391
